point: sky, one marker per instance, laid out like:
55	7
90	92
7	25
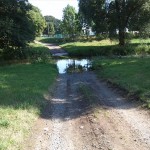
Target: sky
53	7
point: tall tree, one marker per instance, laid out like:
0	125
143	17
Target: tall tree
37	20
20	22
70	22
53	24
112	13
94	13
51	28
125	10
141	21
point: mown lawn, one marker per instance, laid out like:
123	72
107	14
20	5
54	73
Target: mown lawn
88	49
132	74
23	88
106	48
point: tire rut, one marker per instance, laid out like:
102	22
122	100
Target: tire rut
114	123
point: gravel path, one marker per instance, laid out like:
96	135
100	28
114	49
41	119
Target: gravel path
69	123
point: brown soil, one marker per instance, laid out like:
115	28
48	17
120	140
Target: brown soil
70	123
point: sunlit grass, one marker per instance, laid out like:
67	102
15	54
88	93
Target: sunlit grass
140	41
22	89
83	49
132	74
107	48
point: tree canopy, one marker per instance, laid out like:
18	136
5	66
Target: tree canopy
20	23
53	25
109	15
70	22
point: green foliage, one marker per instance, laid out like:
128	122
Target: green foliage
37	19
105	48
20	22
70	22
130	73
32	53
55	23
107	16
55	40
14	24
37	53
94	13
141	21
50	40
23	92
4	123
142	49
51	29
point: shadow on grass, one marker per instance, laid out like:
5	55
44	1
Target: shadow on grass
22	86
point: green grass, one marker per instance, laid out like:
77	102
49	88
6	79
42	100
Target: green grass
38	53
50	40
86	49
23	90
140	41
32	53
132	74
106	48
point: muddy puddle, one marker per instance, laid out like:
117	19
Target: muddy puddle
73	65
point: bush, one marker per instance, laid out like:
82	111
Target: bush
122	51
12	53
142	49
33	52
100	37
37	53
55	40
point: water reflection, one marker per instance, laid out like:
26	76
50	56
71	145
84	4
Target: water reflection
73	65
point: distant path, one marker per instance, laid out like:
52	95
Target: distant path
55	50
69	123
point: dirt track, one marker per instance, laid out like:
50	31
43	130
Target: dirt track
69	123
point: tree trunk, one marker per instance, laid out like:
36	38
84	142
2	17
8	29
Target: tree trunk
121	21
121	37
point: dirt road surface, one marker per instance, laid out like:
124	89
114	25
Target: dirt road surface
70	123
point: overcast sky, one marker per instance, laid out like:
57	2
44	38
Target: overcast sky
53	7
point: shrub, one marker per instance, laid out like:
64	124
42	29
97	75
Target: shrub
13	53
142	49
38	53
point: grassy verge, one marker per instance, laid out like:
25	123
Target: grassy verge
50	40
37	53
132	74
87	49
22	89
32	53
106	48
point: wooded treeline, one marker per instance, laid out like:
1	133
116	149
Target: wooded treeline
20	23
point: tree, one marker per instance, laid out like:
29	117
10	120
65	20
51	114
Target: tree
51	28
125	10
12	17
141	21
70	22
110	15
95	14
20	22
37	19
53	25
